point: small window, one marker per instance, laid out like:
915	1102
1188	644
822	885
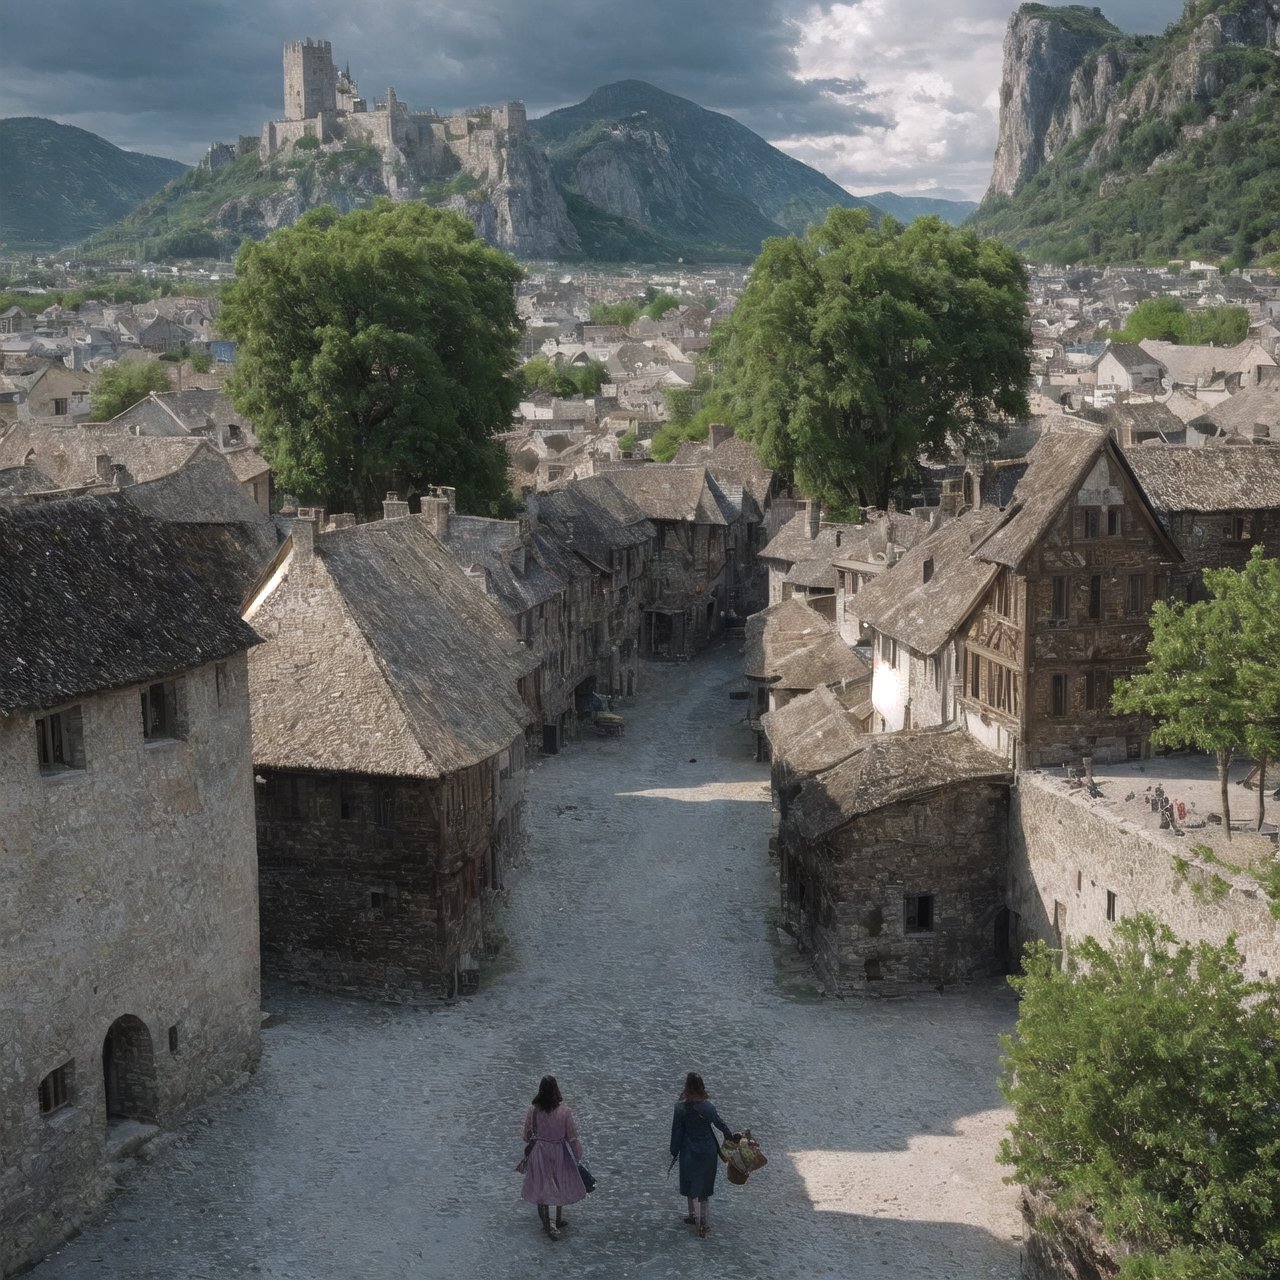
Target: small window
918	913
60	740
928	568
386	816
1079	881
1058	607
55	1088
1095	596
1115	522
60	408
1111	905
284	799
1133	748
377	900
1242	528
1058	696
871	968
1092	521
350	806
1137	602
173	1038
975	676
160	710
1097	691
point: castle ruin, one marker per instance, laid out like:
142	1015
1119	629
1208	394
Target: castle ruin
324	103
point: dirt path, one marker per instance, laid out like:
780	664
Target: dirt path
379	1141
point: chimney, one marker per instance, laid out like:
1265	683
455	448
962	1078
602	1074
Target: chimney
815	517
306	525
393	508
435	507
342	520
718	433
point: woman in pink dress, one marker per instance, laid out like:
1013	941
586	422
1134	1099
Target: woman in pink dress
551	1175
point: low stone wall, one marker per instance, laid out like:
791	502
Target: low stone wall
1068	853
1059	1249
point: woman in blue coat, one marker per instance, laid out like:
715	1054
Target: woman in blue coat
694	1144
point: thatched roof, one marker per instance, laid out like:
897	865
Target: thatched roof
889	768
93	596
1211	479
790	646
384	658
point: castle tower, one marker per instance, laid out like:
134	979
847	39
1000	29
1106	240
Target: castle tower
310	79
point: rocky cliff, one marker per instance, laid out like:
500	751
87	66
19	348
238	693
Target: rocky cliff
1117	145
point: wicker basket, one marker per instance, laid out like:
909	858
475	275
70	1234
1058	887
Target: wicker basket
735	1175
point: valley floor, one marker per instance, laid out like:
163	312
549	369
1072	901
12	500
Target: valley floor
379	1141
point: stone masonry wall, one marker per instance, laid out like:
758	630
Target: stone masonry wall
128	888
1067	853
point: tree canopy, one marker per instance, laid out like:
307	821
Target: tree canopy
120	386
541	374
375	352
1212	680
856	349
1143	1079
1168	320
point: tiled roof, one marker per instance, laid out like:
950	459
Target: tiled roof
1208	479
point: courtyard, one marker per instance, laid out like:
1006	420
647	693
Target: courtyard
380	1140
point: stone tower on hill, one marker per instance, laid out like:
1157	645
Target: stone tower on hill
310	79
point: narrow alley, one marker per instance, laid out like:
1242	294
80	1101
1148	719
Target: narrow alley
380	1141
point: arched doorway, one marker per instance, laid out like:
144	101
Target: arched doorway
129	1071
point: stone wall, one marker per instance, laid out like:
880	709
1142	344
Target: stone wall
129	892
849	895
1219	540
1067	853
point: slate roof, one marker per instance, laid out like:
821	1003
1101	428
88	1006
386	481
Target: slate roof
924	615
413	673
93	596
792	544
68	453
887	769
1131	355
17	482
494	544
1210	479
591	518
1244	410
818	729
732	461
664	491
791	646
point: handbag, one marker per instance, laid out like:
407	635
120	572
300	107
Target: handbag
588	1178
529	1146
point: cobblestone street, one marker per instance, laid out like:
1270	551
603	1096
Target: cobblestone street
378	1141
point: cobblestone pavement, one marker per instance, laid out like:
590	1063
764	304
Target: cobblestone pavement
379	1141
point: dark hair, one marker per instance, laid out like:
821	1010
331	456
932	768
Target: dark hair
694	1089
548	1097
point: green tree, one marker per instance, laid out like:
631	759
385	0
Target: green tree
859	347
660	304
1167	320
375	351
120	386
539	374
623	313
1143	1079
1212	680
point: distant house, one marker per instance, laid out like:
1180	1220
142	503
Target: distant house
14	320
811	544
1125	366
389	739
55	392
129	913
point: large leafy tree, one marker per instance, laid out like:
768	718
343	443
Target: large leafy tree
1212	678
120	386
375	352
1143	1079
861	346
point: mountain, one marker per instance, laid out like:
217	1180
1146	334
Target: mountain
62	183
635	161
908	208
1114	147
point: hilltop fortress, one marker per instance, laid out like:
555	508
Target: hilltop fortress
324	103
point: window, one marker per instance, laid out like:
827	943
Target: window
1000	596
1058	607
1115	522
928	568
377	901
173	1038
350	808
975	676
918	913
1111	905
1242	528
1095	595
55	1088
1092	521
1137	603
1133	748
386	816
1097	690
1058	696
60	408
1079	881
60	740
160	710
283	797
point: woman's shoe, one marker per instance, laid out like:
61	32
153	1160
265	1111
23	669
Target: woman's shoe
554	1232
690	1221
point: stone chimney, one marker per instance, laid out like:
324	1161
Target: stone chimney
342	520
814	512
435	509
394	508
718	433
306	526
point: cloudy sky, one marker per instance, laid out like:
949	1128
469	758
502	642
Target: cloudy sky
879	94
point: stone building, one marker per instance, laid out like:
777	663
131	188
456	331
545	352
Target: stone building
812	544
893	861
129	966
1217	504
389	727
